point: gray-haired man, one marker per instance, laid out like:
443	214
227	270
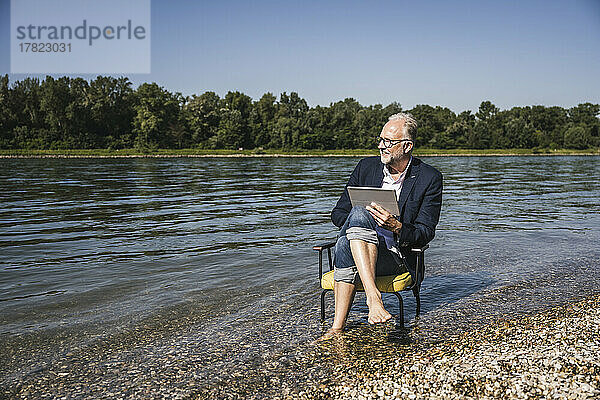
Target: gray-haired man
372	241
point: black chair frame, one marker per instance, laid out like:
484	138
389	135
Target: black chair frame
415	286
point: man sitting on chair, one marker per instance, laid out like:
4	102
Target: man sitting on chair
372	241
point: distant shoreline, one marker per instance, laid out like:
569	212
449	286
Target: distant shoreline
192	153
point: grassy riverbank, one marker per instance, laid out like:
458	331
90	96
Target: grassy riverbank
101	153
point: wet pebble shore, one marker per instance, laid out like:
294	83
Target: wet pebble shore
554	354
550	355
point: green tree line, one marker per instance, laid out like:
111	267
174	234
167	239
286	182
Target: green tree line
108	113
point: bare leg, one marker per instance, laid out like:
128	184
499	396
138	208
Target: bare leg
344	295
365	256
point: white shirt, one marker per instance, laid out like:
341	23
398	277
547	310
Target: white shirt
390	183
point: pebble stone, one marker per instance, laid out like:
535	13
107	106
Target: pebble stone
550	355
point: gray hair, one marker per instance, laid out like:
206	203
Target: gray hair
410	124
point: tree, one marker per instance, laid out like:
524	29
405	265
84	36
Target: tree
577	137
584	113
391	109
318	134
548	123
519	134
486	111
262	120
60	114
343	115
80	125
290	121
29	128
487	131
237	101
230	134
6	119
367	126
111	105
587	113
157	113
455	136
432	122
203	118
106	112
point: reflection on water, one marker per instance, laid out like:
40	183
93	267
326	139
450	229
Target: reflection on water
208	262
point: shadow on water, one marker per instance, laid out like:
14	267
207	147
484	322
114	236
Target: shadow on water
442	290
439	291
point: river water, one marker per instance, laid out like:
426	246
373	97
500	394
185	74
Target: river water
177	276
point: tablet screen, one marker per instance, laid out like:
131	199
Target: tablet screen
363	196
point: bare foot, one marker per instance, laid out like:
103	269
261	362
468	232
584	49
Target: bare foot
377	313
330	334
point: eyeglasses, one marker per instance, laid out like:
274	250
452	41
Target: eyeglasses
387	143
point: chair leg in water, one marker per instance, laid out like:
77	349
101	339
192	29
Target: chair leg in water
418	299
323	305
400	309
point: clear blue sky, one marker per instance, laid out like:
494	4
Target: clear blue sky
450	53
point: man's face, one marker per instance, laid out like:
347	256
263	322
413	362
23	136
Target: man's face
394	131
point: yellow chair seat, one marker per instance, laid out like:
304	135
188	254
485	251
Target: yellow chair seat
385	284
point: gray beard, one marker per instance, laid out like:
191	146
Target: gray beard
394	158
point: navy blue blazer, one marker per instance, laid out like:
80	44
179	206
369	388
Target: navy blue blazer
420	202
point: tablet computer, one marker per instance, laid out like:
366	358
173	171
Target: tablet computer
363	196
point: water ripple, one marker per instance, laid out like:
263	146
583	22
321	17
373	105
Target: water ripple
90	248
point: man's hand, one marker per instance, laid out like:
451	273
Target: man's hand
384	218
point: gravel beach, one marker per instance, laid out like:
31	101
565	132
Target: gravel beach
551	355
